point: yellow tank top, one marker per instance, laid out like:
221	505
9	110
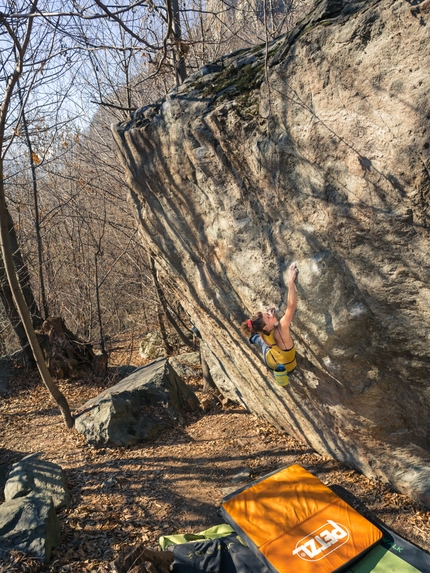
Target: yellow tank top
276	356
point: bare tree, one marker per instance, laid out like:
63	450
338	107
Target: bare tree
20	39
73	220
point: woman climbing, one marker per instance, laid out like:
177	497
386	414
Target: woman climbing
274	336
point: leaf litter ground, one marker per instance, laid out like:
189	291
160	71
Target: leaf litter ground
125	496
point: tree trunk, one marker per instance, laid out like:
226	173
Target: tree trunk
163	302
179	53
13	316
23	274
36	212
173	322
160	307
99	310
7	297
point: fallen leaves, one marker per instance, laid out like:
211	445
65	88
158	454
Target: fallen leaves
126	496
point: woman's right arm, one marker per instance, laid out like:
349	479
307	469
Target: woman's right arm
291	298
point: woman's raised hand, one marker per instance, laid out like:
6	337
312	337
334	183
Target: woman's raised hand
292	272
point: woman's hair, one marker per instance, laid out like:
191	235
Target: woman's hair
253	325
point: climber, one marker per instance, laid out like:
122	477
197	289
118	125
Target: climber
273	336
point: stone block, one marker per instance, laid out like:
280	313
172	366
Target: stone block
138	408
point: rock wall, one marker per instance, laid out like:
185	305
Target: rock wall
321	156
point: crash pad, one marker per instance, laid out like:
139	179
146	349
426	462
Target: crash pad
293	522
207	552
392	554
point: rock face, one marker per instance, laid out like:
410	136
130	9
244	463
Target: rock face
323	158
138	408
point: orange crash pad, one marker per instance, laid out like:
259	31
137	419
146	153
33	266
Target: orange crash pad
295	523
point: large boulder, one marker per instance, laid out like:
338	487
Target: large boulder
138	408
322	156
33	475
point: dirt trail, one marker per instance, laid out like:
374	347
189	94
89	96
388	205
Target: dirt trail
175	484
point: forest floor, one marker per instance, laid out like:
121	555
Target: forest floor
125	496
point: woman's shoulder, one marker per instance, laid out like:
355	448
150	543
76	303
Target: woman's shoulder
284	322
